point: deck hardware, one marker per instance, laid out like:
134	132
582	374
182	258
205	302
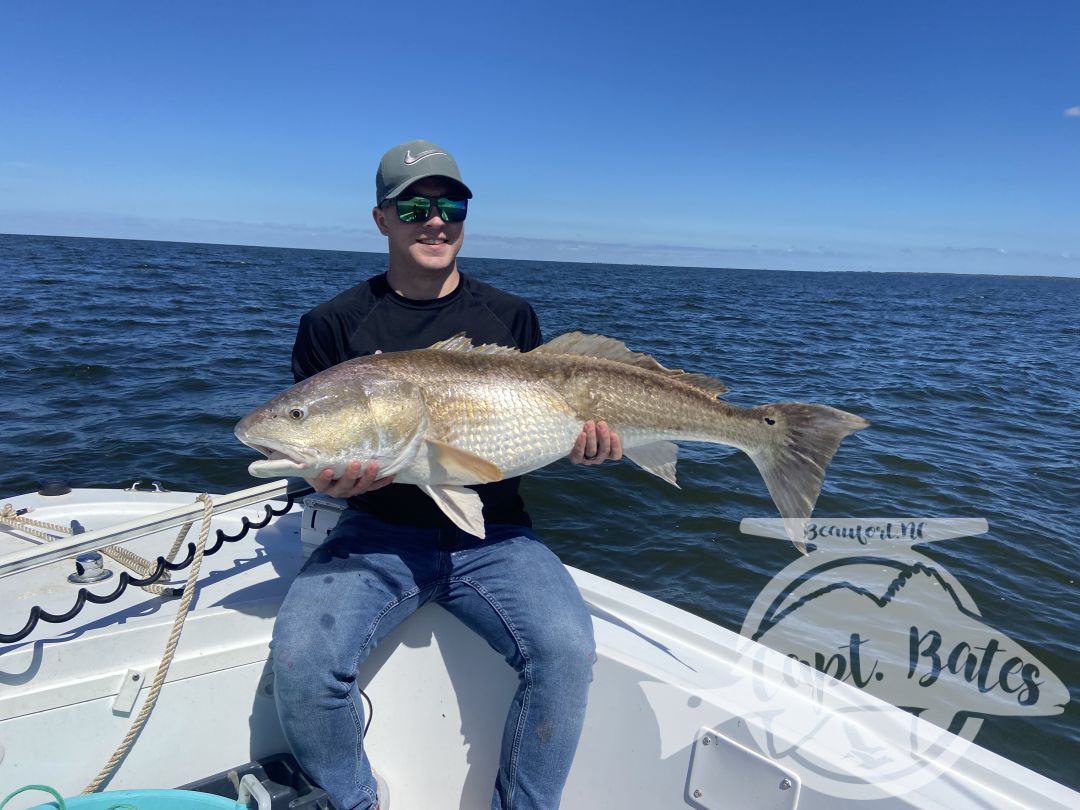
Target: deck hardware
53	489
155	486
725	773
128	693
89	567
36	556
252	788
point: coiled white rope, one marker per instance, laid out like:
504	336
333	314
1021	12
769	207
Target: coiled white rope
12	518
48	532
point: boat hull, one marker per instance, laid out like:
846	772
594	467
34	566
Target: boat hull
681	713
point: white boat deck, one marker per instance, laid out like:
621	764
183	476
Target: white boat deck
682	712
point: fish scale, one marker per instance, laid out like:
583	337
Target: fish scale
514	427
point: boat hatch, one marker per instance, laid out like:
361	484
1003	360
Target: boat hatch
725	775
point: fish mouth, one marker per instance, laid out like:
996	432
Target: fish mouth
281	459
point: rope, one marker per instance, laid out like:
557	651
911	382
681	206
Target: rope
167	656
12	518
129	559
142	566
84	597
59	799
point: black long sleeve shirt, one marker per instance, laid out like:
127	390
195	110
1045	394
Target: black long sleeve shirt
371	317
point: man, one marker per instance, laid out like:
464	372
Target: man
395	550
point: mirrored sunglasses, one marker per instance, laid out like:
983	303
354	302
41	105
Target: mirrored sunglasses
418	209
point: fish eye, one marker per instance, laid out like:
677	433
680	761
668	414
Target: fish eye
297	413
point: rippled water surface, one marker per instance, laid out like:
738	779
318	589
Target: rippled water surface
124	360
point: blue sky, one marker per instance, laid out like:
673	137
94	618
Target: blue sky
921	136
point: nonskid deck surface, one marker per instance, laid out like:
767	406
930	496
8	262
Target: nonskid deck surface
678	706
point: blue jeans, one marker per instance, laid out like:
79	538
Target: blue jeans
370	576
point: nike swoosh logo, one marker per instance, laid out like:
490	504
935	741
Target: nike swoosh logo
410	158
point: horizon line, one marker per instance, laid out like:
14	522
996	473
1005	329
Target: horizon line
555	261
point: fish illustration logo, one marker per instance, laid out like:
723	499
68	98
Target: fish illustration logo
898	627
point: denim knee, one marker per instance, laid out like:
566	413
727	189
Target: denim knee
290	656
564	650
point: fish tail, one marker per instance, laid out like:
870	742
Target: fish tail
797	443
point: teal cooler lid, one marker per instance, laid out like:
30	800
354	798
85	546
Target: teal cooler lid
141	800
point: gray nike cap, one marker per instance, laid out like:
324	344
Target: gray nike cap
408	162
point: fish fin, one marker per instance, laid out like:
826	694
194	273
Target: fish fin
703	382
462	505
598	346
793	458
458	343
656	457
462	464
607	348
463	343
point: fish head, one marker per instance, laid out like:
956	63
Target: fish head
346	413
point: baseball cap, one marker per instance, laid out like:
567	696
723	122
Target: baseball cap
411	161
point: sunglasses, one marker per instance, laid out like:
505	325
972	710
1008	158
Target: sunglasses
418	209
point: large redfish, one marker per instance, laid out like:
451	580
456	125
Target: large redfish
457	414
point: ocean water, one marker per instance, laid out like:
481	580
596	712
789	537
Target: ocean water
127	360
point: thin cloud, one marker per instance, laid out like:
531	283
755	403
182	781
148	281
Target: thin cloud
1072	112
